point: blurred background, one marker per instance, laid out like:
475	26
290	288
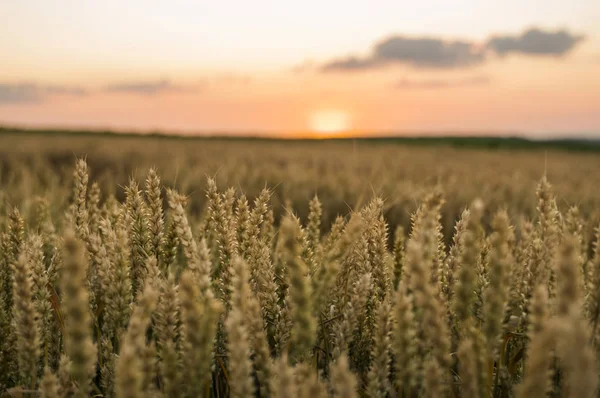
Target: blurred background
496	84
303	68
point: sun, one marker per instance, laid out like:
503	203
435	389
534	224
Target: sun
329	122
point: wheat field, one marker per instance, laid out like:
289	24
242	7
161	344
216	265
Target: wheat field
155	267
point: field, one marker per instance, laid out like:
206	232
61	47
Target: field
186	267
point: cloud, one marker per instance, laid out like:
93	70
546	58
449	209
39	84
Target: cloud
152	87
427	84
420	52
32	92
11	93
428	52
351	63
535	42
438	53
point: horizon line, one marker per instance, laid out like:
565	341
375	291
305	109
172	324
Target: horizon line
307	134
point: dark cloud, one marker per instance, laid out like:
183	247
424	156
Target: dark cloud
437	53
15	93
419	52
428	52
30	92
147	87
535	42
11	93
427	84
351	63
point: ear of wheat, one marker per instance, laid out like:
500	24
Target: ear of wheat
144	293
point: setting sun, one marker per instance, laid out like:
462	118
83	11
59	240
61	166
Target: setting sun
329	122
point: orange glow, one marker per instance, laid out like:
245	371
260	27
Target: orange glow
329	122
186	69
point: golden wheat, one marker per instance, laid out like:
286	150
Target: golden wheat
135	293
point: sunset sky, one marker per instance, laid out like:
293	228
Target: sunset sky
309	67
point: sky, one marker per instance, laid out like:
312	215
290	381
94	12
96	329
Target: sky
309	68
